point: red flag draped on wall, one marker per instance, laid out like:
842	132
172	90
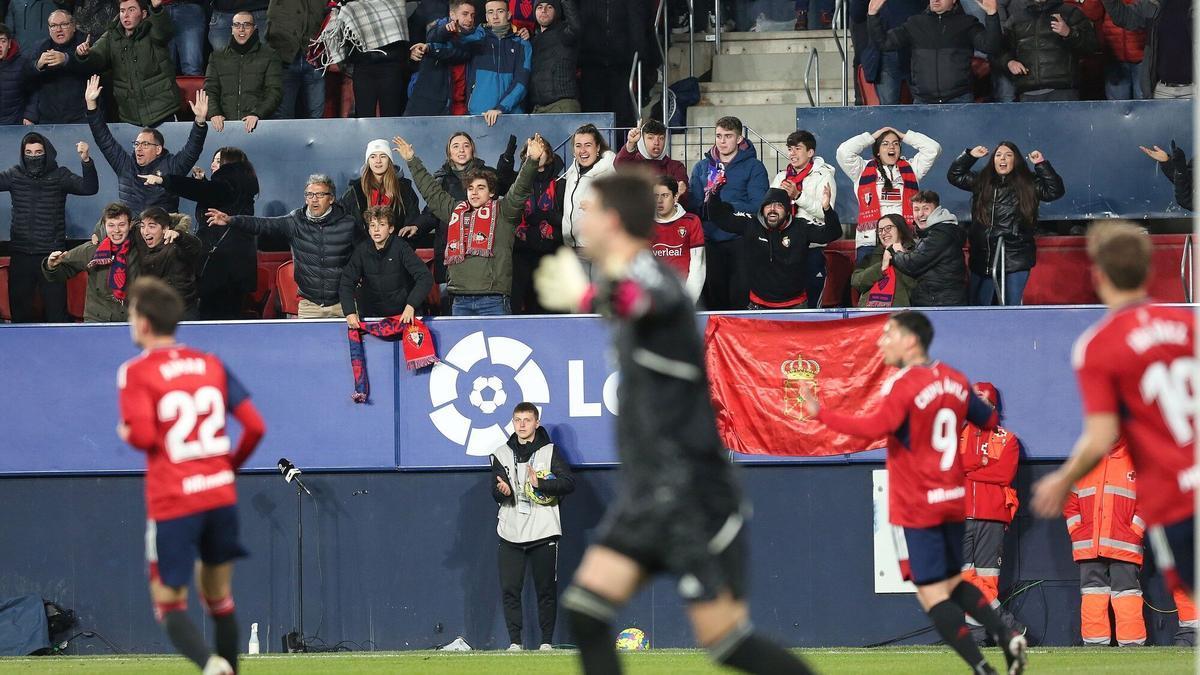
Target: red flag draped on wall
759	372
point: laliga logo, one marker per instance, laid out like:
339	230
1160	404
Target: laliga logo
495	363
799	382
493	369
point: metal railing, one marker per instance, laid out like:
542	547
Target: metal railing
841	21
663	27
1000	272
813	58
635	85
1185	269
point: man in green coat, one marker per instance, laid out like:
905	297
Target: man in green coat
244	80
292	25
136	49
480	230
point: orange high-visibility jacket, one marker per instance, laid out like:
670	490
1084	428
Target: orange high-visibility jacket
1101	513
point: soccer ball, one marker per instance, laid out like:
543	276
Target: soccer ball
537	496
632	640
498	397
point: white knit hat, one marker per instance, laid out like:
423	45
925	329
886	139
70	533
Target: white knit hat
378	145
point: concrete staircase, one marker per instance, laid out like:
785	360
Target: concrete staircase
759	78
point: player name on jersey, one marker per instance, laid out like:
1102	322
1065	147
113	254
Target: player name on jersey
179	367
933	390
1158	332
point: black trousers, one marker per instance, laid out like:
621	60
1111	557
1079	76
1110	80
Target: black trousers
379	84
543	559
725	286
24	281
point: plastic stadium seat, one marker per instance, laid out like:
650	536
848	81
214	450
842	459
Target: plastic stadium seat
289	293
188	86
76	293
5	311
839	265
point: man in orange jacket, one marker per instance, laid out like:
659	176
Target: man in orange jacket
989	459
1106	540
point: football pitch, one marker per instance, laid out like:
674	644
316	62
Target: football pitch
893	661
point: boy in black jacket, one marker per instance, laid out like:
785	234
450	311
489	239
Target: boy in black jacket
393	279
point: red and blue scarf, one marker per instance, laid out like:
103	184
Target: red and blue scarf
116	256
418	344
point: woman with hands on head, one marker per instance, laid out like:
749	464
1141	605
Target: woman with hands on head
1005	196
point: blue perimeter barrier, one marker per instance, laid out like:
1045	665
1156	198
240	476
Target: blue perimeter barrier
60	400
1093	145
286	152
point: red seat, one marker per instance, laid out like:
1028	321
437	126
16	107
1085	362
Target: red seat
5	310
188	86
839	265
76	294
289	292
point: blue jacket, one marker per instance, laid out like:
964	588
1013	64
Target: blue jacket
745	184
498	76
17	102
429	93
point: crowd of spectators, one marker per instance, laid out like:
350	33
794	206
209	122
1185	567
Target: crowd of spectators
740	238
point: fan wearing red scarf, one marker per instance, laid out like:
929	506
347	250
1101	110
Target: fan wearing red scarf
107	264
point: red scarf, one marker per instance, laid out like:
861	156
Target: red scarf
116	256
883	293
869	208
797	177
379	198
471	231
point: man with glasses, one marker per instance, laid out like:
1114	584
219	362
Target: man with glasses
244	80
149	156
222	19
322	236
136	49
57	77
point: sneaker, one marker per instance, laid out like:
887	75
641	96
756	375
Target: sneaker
1014	654
545	647
514	647
217	666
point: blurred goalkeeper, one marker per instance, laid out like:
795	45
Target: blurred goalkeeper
679	510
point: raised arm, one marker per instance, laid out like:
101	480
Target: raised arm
89	182
849	154
120	159
927	152
723	216
960	174
1046	181
440	203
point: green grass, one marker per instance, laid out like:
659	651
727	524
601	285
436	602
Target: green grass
893	661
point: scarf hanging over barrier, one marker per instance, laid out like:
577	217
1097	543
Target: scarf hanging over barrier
471	231
419	350
116	256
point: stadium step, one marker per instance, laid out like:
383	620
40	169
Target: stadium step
784	42
769	92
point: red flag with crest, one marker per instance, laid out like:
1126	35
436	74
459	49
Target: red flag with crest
760	372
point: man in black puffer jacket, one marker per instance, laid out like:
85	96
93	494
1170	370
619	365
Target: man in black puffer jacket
936	262
1045	41
39	188
322	236
942	39
552	86
775	246
149	156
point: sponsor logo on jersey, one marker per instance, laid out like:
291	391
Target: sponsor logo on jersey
940	495
799	382
201	482
667	251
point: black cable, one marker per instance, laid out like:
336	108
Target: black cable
921	631
86	634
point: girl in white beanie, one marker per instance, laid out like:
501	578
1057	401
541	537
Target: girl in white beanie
381	184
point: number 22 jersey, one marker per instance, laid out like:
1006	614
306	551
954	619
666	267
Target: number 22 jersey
174	401
1137	363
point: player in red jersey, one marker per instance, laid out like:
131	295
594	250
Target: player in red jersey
924	407
1137	378
173	404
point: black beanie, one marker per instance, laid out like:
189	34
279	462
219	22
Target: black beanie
777	196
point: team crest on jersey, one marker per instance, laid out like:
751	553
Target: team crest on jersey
799	383
415	336
786	241
682	231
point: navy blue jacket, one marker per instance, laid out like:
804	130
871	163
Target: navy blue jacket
746	182
16	101
429	93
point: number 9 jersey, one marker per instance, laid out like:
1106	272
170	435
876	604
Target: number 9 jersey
174	402
1137	363
922	413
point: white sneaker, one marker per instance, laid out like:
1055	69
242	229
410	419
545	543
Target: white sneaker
217	666
514	647
545	647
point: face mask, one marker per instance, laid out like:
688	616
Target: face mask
35	165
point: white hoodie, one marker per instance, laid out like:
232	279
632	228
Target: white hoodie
578	189
808	204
